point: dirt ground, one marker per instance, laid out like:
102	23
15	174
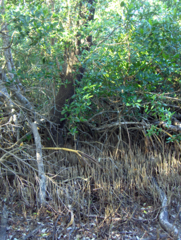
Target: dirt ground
23	222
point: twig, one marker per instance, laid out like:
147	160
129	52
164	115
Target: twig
55	226
32	233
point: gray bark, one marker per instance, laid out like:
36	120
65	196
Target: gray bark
41	172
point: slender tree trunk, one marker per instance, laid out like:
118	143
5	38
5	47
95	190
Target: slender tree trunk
15	89
40	164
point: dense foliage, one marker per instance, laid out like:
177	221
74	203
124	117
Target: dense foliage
133	66
98	83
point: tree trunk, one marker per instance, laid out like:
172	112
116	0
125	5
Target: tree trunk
66	91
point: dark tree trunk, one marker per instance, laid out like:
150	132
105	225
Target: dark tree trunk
66	91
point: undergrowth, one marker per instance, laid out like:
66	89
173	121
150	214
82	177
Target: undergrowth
122	183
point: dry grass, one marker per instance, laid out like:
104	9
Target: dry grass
116	190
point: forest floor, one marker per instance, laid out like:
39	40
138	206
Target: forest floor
26	223
119	203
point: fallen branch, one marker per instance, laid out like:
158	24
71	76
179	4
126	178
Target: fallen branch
79	154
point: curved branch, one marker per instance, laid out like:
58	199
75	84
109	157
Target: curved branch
115	124
163	217
175	127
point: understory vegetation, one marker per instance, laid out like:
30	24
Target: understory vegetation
90	119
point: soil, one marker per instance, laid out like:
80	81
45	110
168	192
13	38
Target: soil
26	222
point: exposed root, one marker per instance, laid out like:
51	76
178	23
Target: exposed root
163	217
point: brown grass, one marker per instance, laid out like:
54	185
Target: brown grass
117	190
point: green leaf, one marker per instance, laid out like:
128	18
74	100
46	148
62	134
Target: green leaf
131	6
150	22
122	4
141	31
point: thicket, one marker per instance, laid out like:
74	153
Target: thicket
133	67
128	96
